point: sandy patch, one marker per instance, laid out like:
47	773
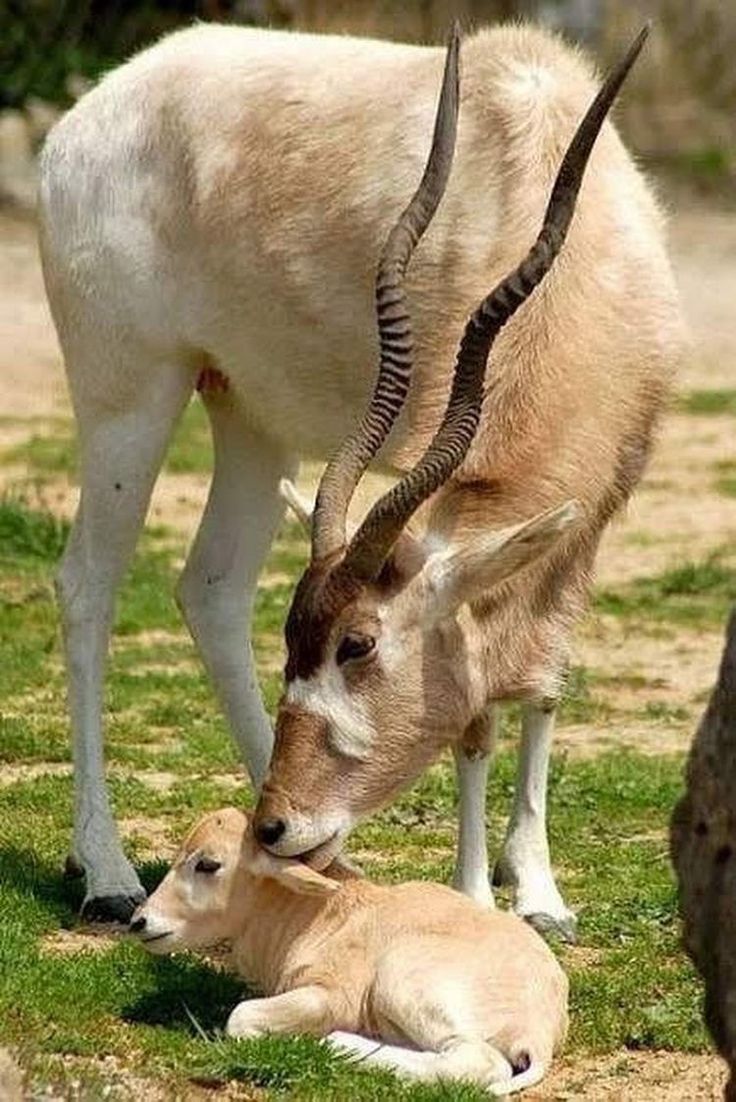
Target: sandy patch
152	637
11	1078
677	514
678	667
15	772
703	250
633	1077
91	938
31	379
152	837
581	741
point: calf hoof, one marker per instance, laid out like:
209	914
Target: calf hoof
111	908
566	929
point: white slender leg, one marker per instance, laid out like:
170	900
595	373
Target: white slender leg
217	587
525	863
303	1010
473	1061
123	438
353	1044
472	760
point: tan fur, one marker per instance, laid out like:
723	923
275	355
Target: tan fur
575	384
416	964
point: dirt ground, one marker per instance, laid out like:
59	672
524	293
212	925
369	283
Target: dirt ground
677	513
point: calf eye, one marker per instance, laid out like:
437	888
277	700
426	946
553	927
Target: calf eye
207	864
354	646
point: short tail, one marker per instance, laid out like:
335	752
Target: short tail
528	1070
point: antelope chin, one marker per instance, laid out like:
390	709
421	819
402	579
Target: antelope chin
323	854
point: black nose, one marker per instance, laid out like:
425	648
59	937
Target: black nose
138	925
269	831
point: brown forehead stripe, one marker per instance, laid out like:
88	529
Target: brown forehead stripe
321	595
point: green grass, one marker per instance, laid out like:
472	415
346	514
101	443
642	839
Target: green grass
696	594
62	1012
29	533
52	449
725	481
708	401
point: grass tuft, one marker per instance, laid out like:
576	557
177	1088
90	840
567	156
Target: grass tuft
707	401
694	593
29	532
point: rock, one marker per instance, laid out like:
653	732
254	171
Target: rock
703	845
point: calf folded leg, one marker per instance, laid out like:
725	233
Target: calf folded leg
474	1061
304	1010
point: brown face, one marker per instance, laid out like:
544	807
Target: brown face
358	720
379	678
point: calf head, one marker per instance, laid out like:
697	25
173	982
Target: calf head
214	884
382	652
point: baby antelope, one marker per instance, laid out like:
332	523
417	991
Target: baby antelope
414	977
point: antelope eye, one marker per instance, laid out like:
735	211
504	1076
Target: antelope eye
354	646
207	864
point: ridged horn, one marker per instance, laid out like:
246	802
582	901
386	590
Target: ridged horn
344	470
381	528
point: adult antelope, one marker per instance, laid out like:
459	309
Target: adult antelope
212	211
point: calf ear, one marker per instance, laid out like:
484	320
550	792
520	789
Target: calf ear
291	874
300	878
456	575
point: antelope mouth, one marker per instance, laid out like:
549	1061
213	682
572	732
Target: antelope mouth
319	857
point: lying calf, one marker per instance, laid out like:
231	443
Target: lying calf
422	979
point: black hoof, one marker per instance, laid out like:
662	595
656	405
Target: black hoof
111	908
72	868
563	928
500	878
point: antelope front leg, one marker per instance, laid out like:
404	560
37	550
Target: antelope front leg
525	863
121	451
303	1010
472	759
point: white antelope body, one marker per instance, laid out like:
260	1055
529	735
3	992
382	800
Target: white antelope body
414	977
219	203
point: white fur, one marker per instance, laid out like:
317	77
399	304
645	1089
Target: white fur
248	243
525	862
325	694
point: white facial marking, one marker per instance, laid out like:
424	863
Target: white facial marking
325	694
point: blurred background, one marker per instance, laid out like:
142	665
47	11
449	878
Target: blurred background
679	114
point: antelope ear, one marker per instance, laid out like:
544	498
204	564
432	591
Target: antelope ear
300	506
453	577
407	558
